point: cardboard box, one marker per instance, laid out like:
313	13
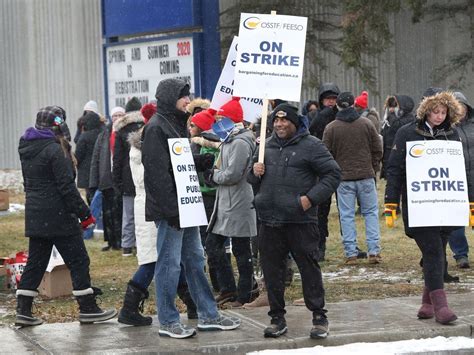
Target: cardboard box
56	282
4	200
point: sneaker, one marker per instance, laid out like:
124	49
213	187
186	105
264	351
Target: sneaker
320	328
225	297
127	252
176	330
352	260
463	263
275	329
260	301
361	254
375	259
106	247
220	323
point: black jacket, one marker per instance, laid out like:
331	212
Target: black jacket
323	115
300	166
168	122
53	203
85	147
101	166
122	174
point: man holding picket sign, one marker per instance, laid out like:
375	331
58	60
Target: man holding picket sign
426	166
172	193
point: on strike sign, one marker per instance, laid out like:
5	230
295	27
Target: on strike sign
436	184
270	56
190	203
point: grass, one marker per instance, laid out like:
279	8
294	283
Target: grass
398	275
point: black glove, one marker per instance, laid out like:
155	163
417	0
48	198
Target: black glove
173	222
203	161
208	174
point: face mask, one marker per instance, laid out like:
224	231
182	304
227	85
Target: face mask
223	128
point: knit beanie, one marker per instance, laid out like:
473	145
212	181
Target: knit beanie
204	119
133	104
91	106
232	110
116	109
148	110
362	100
49	117
286	111
345	100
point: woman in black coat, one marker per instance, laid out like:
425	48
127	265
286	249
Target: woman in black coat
436	117
53	209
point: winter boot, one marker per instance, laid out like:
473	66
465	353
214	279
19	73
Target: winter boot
185	296
24	302
426	310
442	313
133	305
89	311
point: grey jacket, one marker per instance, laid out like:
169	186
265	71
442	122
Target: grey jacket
234	214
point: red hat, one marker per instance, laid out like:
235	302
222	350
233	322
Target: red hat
204	119
148	110
362	100
232	110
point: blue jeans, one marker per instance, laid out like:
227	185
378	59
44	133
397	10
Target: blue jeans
458	243
347	194
175	247
144	275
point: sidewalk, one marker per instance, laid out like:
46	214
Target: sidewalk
359	321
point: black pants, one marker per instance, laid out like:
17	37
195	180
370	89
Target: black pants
90	192
301	240
432	243
73	252
323	213
217	259
112	218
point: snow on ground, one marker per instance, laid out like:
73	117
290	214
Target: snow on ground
14	207
397	347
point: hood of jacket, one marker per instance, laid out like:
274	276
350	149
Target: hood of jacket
444	98
167	94
198	102
327	87
347	115
405	103
135	138
131	117
33	141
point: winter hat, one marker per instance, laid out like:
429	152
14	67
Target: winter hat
204	119
91	106
147	111
116	109
345	100
133	104
328	94
362	100
233	110
184	91
50	117
286	111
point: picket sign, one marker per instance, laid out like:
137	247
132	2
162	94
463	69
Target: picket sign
436	184
270	58
190	202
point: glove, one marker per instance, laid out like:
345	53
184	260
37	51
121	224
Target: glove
88	223
208	174
471	214
390	214
203	161
173	222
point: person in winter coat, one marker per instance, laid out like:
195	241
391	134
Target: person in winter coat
457	239
123	182
53	209
361	105
298	174
101	179
398	111
84	149
90	106
355	145
436	116
175	245
233	215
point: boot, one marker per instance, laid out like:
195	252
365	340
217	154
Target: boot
24	302
89	311
185	296
133	305
443	314
426	310
260	301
